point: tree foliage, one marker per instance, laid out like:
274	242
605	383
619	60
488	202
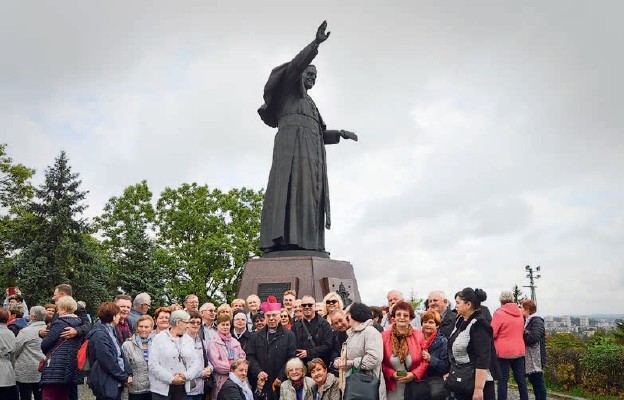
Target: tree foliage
618	333
204	238
517	294
125	225
15	186
15	193
55	243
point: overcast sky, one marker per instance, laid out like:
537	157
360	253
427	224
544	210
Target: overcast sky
490	132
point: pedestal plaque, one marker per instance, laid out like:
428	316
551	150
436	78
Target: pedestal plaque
313	276
273	289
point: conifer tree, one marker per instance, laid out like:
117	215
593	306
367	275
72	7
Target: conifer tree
56	242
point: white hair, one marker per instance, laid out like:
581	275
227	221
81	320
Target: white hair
141	299
178	315
295	363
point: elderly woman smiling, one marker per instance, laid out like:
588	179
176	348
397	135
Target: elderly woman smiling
327	386
436	353
403	358
298	386
173	361
136	351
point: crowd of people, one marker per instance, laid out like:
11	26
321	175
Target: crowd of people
299	349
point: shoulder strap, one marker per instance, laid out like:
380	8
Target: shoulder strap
305	328
56	348
204	352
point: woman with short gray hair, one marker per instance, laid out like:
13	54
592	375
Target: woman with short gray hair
173	361
28	354
298	385
508	330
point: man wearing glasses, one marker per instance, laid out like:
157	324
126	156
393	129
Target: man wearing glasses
140	306
208	312
268	351
191	302
313	333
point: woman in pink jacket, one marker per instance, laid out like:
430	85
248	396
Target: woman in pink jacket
223	351
403	348
508	327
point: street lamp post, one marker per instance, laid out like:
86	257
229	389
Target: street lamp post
532	278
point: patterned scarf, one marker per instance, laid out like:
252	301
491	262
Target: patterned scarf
399	342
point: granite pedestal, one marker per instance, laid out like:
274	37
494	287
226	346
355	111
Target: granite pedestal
313	276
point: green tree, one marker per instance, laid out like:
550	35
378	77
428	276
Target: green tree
125	226
618	332
517	294
56	243
15	187
415	301
204	238
15	193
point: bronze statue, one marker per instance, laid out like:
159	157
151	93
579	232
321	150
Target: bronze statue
296	203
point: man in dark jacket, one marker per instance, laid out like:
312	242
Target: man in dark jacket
268	351
313	334
61	291
437	301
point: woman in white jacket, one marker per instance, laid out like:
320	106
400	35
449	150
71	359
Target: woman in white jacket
173	360
363	349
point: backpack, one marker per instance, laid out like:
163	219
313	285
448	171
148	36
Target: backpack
83	359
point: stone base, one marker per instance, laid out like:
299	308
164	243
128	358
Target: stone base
313	276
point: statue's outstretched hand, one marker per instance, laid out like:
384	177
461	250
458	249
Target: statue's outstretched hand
349	135
321	36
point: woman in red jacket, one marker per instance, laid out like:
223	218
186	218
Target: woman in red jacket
403	346
508	331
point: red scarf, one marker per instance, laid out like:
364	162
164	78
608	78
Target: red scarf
428	342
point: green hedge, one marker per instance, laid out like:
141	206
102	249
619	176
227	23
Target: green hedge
596	366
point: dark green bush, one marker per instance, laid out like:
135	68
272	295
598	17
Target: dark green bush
603	367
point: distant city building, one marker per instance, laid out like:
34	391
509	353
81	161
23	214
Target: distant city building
567	322
584	322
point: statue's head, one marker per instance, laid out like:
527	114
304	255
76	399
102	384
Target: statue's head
309	77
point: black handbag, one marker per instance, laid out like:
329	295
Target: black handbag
361	386
417	390
461	378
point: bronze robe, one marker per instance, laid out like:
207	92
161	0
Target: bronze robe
296	203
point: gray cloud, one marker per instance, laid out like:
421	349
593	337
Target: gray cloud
489	132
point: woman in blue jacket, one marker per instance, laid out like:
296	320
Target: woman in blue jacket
109	369
61	366
436	352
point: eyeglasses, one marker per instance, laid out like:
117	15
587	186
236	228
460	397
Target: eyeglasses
195	322
307	305
331	301
186	321
147	304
